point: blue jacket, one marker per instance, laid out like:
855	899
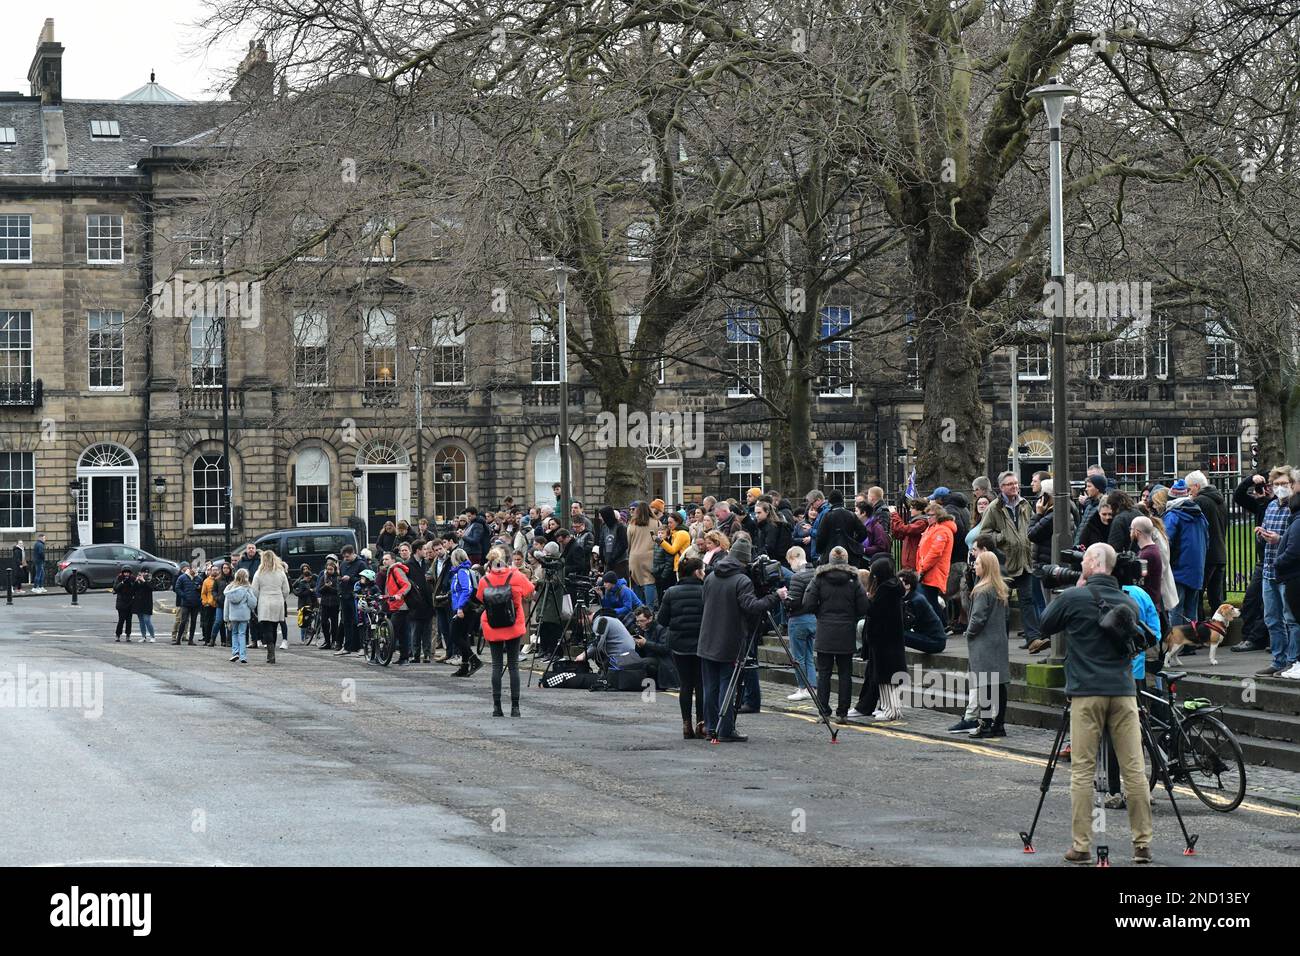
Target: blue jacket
187	591
1150	617
350	569
38	552
816	527
462	586
239	603
1189	537
1287	561
923	620
621	599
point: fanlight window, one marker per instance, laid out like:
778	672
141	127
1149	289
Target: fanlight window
106	456
383	453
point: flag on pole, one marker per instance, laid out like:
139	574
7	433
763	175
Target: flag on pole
911	483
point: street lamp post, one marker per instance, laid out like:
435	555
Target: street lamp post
562	273
418	351
1053	95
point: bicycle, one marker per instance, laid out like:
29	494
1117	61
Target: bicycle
1199	748
377	642
309	621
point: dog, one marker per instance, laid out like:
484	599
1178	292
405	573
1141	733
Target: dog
1212	632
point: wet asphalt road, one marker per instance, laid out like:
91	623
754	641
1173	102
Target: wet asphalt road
190	759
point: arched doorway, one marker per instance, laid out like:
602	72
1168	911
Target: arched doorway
108	499
663	467
385	486
1036	454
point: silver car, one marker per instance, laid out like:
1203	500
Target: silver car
96	566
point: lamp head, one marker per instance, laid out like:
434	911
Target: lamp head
1053	94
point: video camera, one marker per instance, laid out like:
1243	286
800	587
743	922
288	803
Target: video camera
1129	569
765	573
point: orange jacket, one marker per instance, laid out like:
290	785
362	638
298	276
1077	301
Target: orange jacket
521	588
208	596
675	544
934	555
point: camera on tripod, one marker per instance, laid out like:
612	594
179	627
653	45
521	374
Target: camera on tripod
1129	569
765	573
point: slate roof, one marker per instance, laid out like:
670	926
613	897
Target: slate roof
143	125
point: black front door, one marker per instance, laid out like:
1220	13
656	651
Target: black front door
106	503
381	503
1027	469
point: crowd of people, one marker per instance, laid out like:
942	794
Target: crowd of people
675	586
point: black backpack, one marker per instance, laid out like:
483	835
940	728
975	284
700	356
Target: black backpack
499	603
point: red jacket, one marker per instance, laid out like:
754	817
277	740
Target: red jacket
934	556
908	532
521	587
396	584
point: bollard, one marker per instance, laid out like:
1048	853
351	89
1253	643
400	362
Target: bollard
9	585
73	581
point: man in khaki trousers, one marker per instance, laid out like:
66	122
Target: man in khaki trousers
1103	697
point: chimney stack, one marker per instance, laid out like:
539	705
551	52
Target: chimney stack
255	79
46	72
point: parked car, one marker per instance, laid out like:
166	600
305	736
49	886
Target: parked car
299	546
96	566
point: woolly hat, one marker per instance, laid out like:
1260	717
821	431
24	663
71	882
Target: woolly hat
742	551
1098	482
1178	489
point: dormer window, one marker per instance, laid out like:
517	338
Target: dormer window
7	137
105	129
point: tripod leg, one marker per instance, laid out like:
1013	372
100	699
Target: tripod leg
823	712
1045	785
729	697
1162	769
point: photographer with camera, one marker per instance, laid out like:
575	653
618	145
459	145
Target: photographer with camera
1099	684
725	628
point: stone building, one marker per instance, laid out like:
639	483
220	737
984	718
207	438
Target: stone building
113	426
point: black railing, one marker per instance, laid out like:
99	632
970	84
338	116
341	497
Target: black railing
22	394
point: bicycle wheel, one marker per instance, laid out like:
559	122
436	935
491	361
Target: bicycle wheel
384	636
308	633
1213	763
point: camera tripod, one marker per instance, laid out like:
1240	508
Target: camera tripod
551	592
1162	769
742	663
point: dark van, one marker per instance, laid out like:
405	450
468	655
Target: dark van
299	546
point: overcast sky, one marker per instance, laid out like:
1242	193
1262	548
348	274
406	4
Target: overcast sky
111	45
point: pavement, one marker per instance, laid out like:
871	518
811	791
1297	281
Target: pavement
181	757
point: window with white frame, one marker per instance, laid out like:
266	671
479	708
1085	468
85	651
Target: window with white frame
106	346
545	351
312	488
836	377
1221	352
380	240
1223	458
912	363
451	482
17	491
1160	342
15	238
744	354
104	239
633	330
310	348
199	244
745	467
1034	355
207	351
105	129
841	224
8	136
444	234
1169	456
1123	357
209	479
1131	470
447	354
546	473
840	467
379	358
15	348
638	237
308	236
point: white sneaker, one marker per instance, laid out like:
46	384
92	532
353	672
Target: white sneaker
854	712
284	645
1292	672
800	694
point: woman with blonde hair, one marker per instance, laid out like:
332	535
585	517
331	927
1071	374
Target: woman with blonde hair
271	591
716	546
986	642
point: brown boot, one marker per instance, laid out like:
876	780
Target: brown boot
688	732
700	733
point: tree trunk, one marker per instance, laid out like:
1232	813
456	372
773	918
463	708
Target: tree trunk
953	433
625	473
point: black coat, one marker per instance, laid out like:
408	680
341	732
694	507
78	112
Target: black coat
658	655
1121	531
955	504
1216	512
730	606
142	597
884	631
124	588
773	539
797	587
681	610
840	527
1040	536
836	597
418	575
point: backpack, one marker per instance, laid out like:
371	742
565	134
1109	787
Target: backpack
499	602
